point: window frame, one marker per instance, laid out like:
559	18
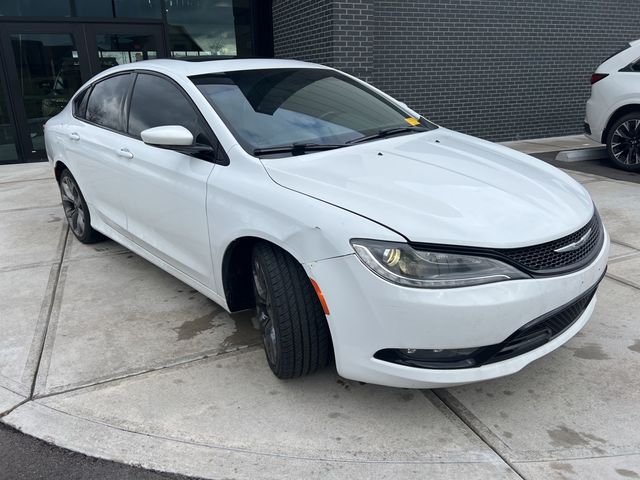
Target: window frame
222	158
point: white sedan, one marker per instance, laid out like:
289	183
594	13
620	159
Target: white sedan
414	255
613	110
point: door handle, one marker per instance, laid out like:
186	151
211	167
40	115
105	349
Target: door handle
74	136
125	153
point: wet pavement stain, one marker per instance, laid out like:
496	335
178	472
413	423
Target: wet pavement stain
563	436
636	346
406	397
623	472
245	334
192	328
590	351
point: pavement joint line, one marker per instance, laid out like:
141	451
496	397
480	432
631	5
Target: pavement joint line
37	207
55	272
623	258
9	410
474	424
42	373
625	244
14	387
9	182
436	460
621	280
27	266
136	373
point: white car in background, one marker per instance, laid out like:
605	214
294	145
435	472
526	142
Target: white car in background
613	111
417	256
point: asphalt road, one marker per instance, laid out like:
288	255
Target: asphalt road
25	457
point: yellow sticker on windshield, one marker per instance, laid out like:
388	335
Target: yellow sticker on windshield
412	121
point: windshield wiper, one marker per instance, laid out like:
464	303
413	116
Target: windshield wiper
385	132
297	148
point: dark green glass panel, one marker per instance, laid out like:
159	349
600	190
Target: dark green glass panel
8	151
94	8
35	8
138	8
48	74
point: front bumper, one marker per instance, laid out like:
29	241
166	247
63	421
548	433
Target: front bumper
368	314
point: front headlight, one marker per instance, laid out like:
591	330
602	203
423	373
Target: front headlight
399	263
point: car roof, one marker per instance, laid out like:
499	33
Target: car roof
188	68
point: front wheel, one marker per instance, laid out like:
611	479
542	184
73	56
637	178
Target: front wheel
623	142
294	328
76	210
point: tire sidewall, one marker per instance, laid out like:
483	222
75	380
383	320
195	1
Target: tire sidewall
88	234
614	161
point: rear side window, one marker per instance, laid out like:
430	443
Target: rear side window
156	102
80	103
106	102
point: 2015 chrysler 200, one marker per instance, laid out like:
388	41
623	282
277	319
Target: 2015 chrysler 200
418	256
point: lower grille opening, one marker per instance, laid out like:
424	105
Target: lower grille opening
529	337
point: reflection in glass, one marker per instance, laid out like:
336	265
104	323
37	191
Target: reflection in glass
137	8
48	75
8	151
118	49
209	27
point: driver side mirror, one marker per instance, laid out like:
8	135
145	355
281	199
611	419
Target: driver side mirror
167	136
179	139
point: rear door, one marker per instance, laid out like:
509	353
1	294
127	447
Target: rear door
92	146
166	190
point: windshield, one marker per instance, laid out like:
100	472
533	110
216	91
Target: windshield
293	106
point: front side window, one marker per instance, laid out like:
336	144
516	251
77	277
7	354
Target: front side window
156	102
269	108
106	102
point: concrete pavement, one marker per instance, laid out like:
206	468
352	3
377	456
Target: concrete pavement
107	355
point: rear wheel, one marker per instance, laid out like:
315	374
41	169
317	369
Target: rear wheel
76	210
294	328
623	142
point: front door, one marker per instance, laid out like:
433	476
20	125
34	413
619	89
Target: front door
45	64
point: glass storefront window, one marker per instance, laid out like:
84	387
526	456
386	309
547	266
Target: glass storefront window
207	27
35	8
137	8
117	49
8	151
94	8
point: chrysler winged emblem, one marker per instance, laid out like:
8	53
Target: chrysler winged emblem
575	245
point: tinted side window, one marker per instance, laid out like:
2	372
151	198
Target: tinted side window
106	102
155	102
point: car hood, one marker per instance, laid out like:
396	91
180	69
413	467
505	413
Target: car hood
443	187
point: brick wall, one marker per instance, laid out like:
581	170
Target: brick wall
498	69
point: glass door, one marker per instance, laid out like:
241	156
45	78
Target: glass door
45	67
110	45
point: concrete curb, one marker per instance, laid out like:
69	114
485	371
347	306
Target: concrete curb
587	153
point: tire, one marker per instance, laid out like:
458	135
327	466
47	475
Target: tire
294	328
76	210
623	142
